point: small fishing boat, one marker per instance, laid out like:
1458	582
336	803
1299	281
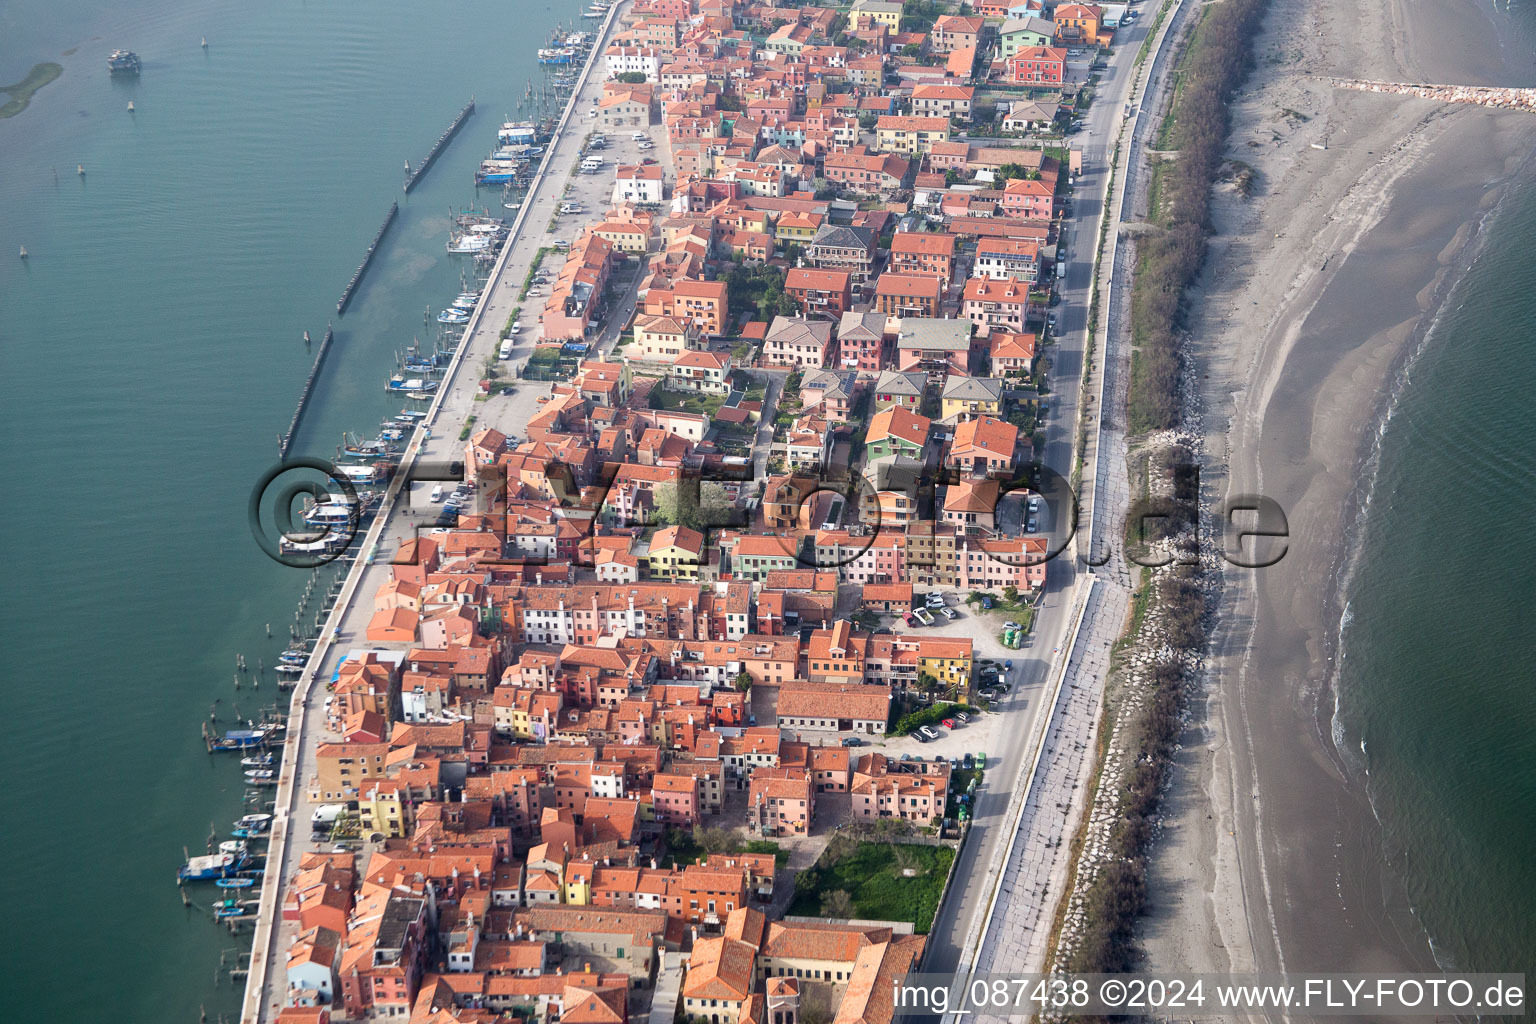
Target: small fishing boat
420	396
234	846
235	883
130	106
467	300
213	866
399	382
255	822
23	252
412	414
361	474
452	316
261	761
290	669
259	774
240	739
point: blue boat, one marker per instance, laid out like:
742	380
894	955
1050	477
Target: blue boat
235	883
399	382
559	55
214	866
517	133
240	739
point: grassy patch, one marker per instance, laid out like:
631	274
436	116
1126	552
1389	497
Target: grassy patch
873	875
533	268
22	92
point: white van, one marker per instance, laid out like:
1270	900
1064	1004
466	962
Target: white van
591	165
506	349
326	814
639	136
437	493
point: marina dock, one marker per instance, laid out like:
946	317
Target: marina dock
264	978
286	440
362	268
414	175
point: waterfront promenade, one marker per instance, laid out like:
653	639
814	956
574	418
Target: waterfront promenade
346	626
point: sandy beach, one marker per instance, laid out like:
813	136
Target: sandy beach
1316	291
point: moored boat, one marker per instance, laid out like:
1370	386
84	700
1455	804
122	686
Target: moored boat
399	382
213	866
240	739
235	883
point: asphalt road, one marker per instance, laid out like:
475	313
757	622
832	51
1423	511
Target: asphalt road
972	887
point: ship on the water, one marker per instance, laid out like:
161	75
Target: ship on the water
123	62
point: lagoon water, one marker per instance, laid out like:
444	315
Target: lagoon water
153	352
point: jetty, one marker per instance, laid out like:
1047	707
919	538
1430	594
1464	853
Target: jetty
362	268
1482	95
286	440
412	176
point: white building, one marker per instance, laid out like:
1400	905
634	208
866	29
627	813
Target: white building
638	183
628	59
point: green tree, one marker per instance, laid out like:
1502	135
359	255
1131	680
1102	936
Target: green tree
632	77
743	681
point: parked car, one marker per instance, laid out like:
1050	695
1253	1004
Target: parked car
951	614
962	717
949	723
1010	624
968	761
927	732
853	741
1033	526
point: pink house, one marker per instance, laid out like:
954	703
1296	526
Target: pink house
675	799
1027	199
1005	562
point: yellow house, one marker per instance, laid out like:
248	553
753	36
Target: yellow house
662	338
870	12
578	885
971	396
624	236
896	133
796	227
947	659
381	809
676	552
